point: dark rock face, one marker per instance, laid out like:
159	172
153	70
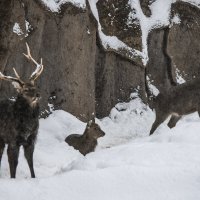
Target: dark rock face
157	68
116	79
175	48
145	6
67	43
183	42
114	17
79	76
6	34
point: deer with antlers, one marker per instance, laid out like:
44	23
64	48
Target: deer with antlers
19	119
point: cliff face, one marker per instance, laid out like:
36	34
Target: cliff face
174	50
84	74
67	44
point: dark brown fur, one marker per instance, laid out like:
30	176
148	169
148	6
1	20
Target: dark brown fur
19	120
177	101
87	142
19	126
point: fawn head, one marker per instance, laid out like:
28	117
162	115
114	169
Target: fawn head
93	130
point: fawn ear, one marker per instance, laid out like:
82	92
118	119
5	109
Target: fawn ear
89	124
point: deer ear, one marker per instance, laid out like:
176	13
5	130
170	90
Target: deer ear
89	124
16	85
93	120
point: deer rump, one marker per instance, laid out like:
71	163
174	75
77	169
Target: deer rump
19	119
177	101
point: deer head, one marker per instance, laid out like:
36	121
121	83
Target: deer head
93	130
26	89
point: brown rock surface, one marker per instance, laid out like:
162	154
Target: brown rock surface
183	40
114	17
79	76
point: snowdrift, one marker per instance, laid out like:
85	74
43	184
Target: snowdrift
127	164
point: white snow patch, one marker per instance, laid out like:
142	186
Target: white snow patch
175	20
124	123
160	17
54	5
28	28
17	29
179	78
153	89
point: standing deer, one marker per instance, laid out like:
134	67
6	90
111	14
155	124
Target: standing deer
177	101
19	119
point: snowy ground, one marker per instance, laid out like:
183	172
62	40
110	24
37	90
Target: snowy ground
127	165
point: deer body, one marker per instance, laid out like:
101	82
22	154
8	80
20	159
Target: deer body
87	142
177	101
19	119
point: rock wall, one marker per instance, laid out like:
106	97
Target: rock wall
174	50
67	43
80	76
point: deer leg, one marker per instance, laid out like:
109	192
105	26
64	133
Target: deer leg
199	112
159	119
13	154
173	120
28	153
2	146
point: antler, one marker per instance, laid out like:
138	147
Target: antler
39	67
10	78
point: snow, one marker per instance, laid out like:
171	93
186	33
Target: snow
153	89
17	29
175	20
179	77
111	42
160	17
54	5
127	164
29	28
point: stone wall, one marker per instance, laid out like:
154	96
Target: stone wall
79	75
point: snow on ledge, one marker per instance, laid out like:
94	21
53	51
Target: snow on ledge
160	17
54	5
193	2
111	42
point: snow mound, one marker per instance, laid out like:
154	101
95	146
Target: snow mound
128	164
